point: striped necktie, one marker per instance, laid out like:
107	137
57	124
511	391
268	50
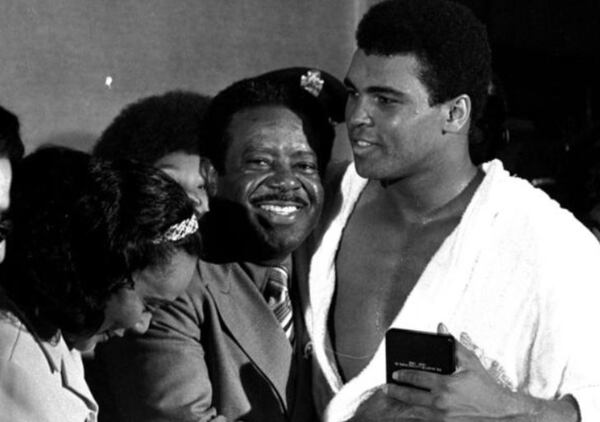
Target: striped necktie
278	299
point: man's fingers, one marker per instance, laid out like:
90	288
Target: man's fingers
416	404
422	379
409	395
442	329
465	358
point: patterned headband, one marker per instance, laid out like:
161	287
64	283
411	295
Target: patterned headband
178	231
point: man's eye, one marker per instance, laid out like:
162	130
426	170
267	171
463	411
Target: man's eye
307	166
385	100
257	162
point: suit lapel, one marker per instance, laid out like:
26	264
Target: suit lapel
73	379
60	358
250	322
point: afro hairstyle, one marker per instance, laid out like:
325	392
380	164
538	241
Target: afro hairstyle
449	42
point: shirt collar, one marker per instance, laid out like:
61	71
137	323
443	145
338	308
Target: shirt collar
258	272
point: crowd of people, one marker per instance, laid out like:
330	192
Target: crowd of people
208	261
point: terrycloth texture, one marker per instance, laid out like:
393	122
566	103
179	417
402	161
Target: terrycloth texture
519	274
40	382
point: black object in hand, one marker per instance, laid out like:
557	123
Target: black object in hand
420	351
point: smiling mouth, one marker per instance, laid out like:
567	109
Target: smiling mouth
362	143
283	210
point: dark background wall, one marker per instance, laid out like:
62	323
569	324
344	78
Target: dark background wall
546	57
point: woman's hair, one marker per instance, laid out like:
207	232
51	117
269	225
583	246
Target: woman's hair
155	126
11	145
81	227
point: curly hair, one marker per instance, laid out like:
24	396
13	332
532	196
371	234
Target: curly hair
155	126
449	42
81	228
265	91
11	145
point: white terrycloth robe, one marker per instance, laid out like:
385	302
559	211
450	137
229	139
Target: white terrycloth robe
519	274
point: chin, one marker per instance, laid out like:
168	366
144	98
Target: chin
287	242
377	172
286	235
86	344
365	169
278	244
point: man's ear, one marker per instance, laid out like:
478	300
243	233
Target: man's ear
458	112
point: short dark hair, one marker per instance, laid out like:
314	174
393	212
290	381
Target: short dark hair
263	91
155	126
11	145
449	42
81	228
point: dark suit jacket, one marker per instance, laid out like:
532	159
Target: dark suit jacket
218	350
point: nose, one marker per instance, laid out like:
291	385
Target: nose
357	111
200	200
143	324
283	179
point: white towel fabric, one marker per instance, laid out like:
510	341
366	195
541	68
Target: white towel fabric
519	274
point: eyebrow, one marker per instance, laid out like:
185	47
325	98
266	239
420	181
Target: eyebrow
376	89
304	154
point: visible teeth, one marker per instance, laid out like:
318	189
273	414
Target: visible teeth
362	143
281	210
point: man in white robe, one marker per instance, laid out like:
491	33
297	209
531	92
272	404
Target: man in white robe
416	236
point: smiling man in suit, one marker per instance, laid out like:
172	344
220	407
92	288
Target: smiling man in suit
233	347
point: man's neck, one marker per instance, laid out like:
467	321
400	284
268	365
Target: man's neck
276	262
272	261
432	195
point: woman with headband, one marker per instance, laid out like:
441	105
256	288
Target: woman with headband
95	248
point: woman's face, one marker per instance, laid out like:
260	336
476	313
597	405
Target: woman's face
131	308
184	168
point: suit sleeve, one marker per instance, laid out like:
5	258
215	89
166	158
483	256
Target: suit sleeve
160	376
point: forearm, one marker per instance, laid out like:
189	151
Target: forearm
399	403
